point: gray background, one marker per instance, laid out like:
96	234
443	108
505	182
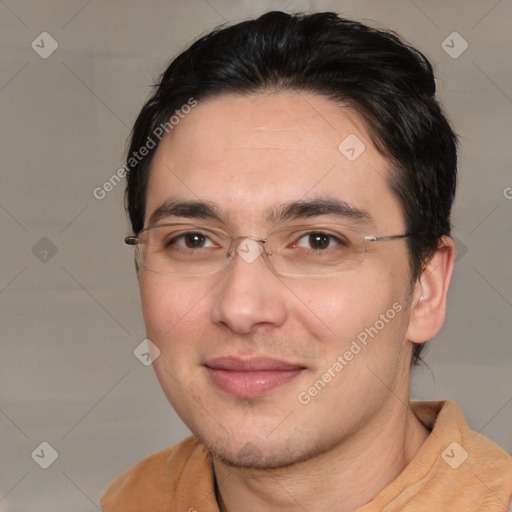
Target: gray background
71	320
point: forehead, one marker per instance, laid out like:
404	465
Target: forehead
251	154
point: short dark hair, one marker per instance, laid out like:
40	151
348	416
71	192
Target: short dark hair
389	83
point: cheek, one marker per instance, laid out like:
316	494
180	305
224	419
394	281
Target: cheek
174	315
156	301
172	310
342	304
364	312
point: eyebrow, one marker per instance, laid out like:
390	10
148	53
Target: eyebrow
188	209
293	210
316	207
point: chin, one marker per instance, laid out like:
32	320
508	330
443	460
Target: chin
259	454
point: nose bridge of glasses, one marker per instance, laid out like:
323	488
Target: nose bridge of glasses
248	247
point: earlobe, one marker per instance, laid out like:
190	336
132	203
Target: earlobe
428	305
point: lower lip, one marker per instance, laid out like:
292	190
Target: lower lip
251	384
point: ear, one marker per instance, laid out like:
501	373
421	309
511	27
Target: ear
428	306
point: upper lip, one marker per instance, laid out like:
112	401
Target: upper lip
254	364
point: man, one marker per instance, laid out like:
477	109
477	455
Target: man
290	185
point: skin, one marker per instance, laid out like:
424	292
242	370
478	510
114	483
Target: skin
249	154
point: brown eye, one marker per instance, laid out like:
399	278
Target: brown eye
189	240
319	240
194	240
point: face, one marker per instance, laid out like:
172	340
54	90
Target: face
269	369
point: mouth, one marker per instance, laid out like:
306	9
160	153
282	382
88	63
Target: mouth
248	378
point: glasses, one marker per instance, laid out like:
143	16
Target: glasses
190	249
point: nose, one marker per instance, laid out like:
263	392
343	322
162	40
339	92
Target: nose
250	296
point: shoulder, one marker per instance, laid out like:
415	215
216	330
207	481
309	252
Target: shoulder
150	483
464	467
488	475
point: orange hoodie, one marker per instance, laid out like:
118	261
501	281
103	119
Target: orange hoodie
456	470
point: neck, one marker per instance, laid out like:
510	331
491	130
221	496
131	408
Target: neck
344	479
